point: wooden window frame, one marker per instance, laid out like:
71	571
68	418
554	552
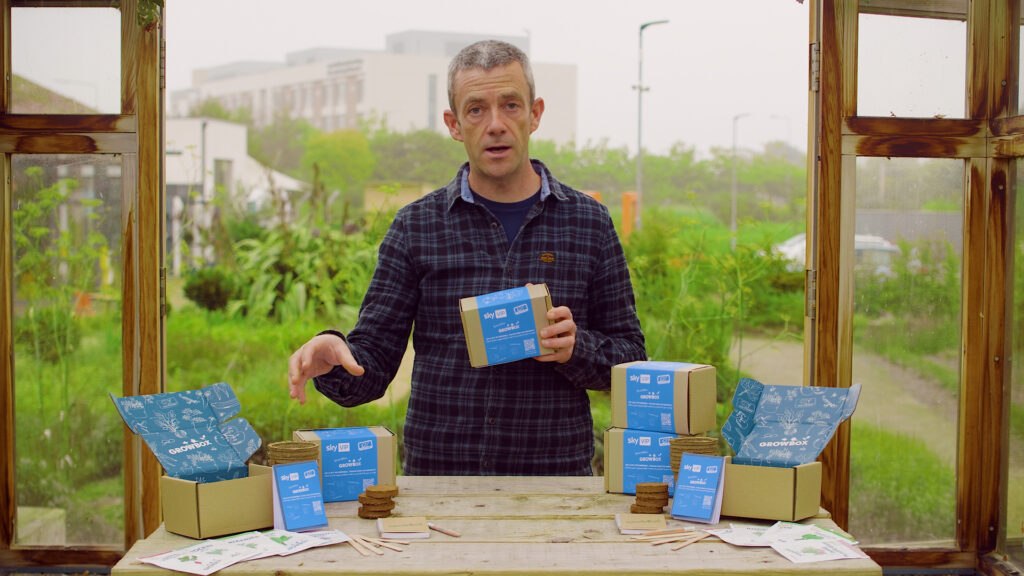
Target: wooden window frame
987	140
136	135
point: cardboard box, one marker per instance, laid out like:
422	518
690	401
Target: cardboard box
505	326
664	397
217	508
635	456
352	459
770	493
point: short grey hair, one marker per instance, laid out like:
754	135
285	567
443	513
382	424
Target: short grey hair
487	55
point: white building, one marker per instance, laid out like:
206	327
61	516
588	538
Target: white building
406	84
204	155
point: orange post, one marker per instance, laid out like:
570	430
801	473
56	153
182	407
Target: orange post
628	212
592	194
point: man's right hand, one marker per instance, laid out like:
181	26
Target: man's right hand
315	358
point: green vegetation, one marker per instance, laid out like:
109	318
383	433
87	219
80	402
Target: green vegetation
900	491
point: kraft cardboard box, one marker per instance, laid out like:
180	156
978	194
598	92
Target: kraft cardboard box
352	459
664	397
505	326
771	493
635	456
206	510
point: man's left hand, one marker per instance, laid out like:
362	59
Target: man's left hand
559	336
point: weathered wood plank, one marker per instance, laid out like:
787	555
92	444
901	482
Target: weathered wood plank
940	9
7	496
150	242
904	146
891	126
835	16
96	143
507	532
75	123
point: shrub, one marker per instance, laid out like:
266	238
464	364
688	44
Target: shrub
210	288
49	332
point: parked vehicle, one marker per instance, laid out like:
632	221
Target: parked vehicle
872	254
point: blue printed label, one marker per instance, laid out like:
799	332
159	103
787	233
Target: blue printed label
349	460
299	496
698	486
646	457
649	397
507	326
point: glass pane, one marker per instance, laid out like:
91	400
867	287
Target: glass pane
1014	528
66	60
67	350
911	67
906	335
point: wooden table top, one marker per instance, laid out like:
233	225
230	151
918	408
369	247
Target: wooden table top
509	525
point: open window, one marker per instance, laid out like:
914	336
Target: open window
80	260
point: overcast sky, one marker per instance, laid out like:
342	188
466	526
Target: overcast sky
713	60
703	67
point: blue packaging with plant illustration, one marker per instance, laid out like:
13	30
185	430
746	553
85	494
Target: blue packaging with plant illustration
190	434
785	426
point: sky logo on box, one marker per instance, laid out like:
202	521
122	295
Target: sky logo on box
639	440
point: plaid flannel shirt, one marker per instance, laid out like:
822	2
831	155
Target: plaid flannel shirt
519	418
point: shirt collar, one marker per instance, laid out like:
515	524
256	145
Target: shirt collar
459	186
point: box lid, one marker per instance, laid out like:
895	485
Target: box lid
785	426
189	431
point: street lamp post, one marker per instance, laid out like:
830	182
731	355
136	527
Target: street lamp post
732	213
639	116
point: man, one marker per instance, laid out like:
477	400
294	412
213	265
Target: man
503	222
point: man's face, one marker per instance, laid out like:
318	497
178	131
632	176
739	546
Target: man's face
494	119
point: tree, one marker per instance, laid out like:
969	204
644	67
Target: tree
281	144
342	162
420	156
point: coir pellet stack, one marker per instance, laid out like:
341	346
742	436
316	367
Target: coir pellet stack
291	451
377	501
692	444
651	498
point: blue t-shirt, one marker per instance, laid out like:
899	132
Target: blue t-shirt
510	214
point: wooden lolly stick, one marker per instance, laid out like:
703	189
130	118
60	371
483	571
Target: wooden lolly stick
369	545
383	543
357	546
691	541
667	531
670	539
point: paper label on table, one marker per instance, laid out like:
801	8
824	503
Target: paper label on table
403	527
639	523
349	460
646	457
